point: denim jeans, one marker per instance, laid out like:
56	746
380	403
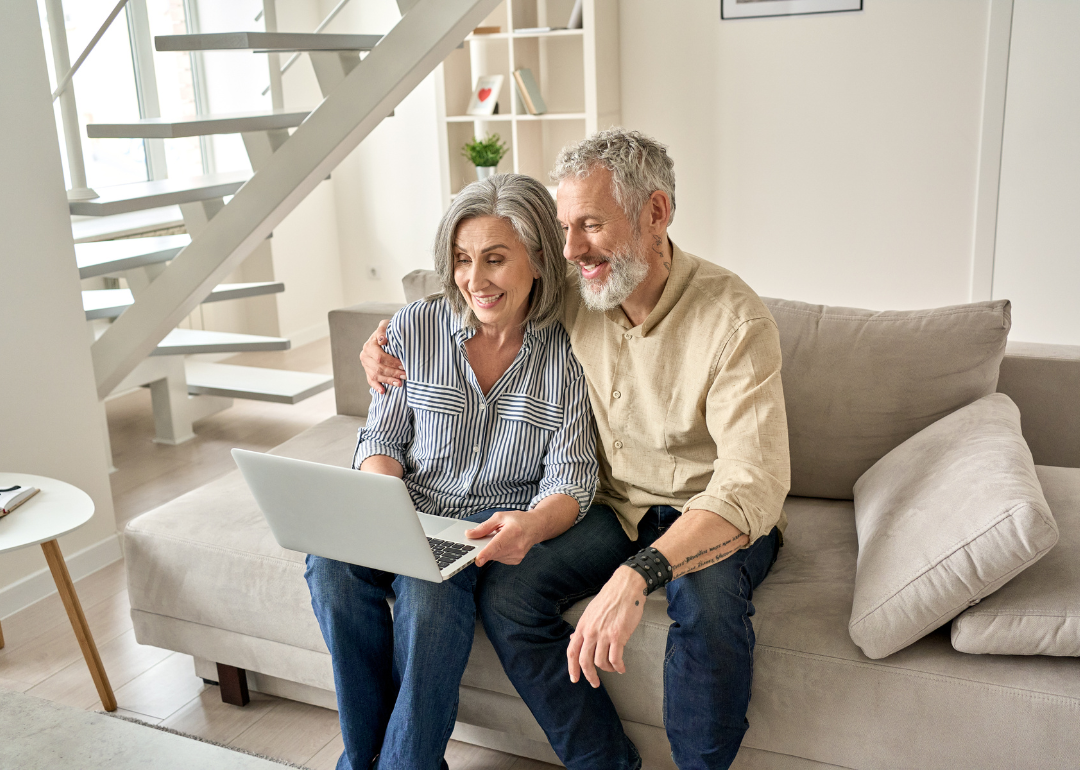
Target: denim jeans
521	606
709	659
396	676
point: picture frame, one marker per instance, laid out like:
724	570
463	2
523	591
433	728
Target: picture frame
485	95
753	9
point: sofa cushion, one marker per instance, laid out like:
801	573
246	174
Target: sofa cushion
945	519
858	383
420	283
1038	611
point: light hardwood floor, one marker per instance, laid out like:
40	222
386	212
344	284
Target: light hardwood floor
41	656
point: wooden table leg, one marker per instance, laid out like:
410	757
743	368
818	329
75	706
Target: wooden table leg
78	622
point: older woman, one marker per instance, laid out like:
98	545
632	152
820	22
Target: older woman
494	426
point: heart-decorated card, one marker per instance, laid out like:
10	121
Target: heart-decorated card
485	95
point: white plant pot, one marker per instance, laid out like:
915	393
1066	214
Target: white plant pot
483	172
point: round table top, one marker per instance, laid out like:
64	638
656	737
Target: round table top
55	510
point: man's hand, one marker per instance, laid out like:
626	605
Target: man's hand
380	367
513	537
606	625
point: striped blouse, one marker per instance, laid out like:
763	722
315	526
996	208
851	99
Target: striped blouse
531	436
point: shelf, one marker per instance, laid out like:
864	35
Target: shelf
489	118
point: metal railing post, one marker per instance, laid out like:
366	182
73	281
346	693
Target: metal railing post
69	114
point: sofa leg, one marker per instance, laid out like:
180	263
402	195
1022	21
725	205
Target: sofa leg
233	683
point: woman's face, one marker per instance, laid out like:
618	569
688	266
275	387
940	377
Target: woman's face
492	271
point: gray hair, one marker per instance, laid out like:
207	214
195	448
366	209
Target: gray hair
527	206
639	166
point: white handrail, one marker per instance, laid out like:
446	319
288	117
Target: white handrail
322	25
66	80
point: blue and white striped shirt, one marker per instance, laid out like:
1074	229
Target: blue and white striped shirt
531	436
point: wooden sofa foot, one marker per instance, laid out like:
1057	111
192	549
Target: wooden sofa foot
234	686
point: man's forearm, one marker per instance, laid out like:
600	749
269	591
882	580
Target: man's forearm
697	540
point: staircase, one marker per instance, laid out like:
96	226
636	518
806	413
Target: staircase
136	336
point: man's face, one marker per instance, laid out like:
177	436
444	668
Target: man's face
605	246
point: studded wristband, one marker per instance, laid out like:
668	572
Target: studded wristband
651	565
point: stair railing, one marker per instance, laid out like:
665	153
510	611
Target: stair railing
322	25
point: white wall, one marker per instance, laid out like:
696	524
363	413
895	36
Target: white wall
827	158
50	418
1037	255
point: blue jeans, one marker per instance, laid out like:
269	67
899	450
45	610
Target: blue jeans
708	664
396	676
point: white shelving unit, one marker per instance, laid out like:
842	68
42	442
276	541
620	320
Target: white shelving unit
577	71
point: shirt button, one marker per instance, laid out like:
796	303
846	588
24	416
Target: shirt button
618	445
483	407
617	394
628	335
476	449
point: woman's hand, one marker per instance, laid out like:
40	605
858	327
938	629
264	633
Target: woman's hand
513	537
380	367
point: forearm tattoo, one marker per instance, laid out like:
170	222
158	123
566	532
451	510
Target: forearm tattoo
707	556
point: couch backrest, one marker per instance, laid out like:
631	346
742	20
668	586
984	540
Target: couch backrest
857	382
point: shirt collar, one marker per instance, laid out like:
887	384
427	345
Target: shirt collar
682	270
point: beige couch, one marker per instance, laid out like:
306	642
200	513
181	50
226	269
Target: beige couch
206	578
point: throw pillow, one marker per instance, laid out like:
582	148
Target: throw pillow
858	383
943	520
1037	612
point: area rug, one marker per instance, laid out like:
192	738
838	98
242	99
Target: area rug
40	735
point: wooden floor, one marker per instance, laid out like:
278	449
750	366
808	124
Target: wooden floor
42	656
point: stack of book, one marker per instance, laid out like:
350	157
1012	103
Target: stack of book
12	497
530	92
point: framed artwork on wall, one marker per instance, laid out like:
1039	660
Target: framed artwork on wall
748	9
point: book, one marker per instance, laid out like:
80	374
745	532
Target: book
485	95
530	92
12	497
534	30
575	16
487	30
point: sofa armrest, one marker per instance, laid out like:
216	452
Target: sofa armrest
349	329
1044	381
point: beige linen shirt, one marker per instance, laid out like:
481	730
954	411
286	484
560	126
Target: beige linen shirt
689	404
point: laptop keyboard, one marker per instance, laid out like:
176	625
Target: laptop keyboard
446	553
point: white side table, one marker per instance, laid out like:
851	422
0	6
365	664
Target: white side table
54	511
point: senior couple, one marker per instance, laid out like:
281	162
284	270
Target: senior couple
513	372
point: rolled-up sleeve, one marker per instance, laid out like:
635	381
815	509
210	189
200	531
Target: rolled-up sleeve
389	427
570	464
746	418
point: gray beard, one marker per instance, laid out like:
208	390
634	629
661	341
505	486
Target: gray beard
629	267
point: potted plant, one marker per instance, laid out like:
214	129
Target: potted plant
485	154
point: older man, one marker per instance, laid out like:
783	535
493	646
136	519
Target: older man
682	361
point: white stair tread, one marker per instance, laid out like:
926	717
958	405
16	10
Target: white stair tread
266	41
199	125
106	303
191	341
163	192
90	229
277	385
104	257
109	303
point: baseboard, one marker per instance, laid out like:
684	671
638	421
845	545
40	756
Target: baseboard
310	334
32	588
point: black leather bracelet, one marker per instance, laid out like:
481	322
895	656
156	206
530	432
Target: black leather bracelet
651	565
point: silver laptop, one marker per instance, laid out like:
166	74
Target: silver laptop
355	517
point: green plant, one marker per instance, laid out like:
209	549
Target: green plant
485	152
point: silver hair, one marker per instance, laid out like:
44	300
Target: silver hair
527	206
639	166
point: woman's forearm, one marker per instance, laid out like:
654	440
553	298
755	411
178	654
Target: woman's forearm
552	516
387	466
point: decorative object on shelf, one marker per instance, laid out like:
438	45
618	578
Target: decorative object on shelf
485	95
487	30
485	154
747	9
576	15
530	92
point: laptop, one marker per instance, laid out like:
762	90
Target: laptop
356	517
